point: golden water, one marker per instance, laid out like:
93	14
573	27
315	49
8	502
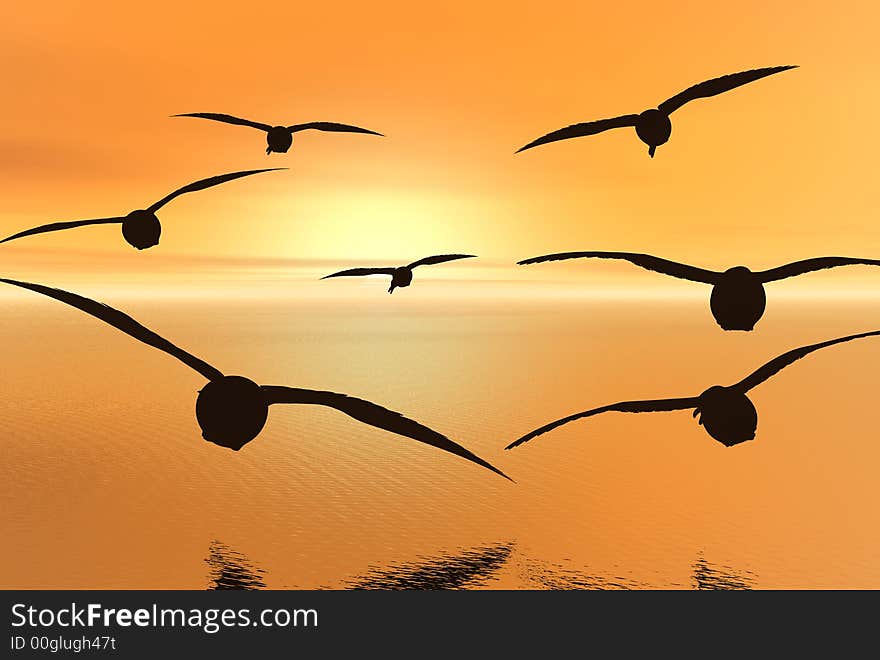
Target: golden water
105	481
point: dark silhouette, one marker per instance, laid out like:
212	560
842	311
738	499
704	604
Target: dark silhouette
738	300
141	228
707	577
401	276
469	569
231	570
726	413
279	138
653	126
232	410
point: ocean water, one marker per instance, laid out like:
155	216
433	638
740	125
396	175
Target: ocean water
105	481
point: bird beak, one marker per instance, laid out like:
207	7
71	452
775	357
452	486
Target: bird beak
651	151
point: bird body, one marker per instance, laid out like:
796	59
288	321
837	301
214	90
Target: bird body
141	229
222	395
401	276
727	414
738	299
654	129
653	126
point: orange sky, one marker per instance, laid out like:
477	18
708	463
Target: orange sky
775	171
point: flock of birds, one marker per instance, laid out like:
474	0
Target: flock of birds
232	410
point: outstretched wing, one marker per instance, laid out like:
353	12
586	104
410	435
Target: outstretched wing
779	363
58	226
374	415
207	183
228	119
717	86
809	265
582	130
655	405
332	127
439	259
353	272
646	261
122	322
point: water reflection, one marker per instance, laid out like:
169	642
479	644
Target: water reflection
466	570
471	569
231	570
557	577
707	576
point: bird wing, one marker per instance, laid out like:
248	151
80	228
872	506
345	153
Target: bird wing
374	415
582	130
351	272
122	322
717	86
646	261
654	405
777	364
228	119
439	259
57	226
332	127
207	183
809	265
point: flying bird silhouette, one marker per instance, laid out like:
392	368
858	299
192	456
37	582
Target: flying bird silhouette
726	413
738	299
401	276
232	410
141	228
279	138
653	126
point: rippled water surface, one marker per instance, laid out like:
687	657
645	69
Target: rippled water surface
105	481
